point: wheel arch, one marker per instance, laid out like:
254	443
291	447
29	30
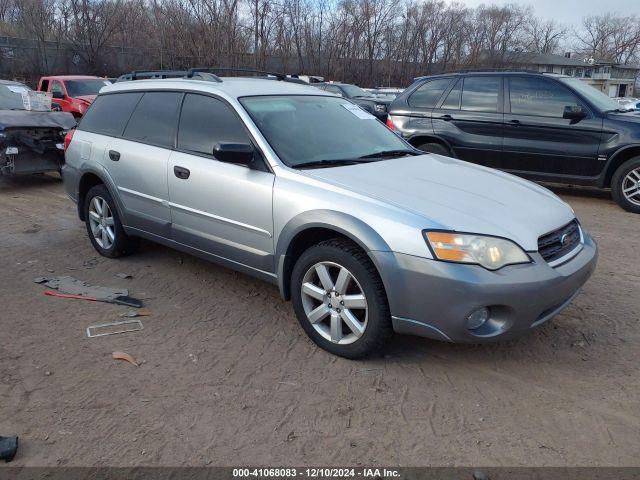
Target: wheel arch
420	139
311	228
617	159
89	179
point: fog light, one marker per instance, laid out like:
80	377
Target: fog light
477	318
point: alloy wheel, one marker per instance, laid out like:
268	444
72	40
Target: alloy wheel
101	222
631	186
334	303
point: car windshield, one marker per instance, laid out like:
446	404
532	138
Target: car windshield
309	129
353	91
11	96
78	88
595	96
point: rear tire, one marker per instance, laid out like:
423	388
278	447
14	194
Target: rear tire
103	225
435	148
345	312
625	185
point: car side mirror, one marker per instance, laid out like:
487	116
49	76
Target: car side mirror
574	112
238	153
58	95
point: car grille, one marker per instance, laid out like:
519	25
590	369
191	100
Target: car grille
558	243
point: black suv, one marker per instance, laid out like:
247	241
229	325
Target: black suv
367	101
544	127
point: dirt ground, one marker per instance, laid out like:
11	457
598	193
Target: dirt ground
228	377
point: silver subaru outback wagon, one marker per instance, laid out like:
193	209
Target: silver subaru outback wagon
363	233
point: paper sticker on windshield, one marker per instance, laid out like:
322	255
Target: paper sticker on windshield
17	88
358	112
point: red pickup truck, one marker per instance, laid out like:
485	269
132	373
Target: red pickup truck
72	93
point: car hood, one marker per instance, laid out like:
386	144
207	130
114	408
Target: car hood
454	195
86	98
383	101
631	116
32	119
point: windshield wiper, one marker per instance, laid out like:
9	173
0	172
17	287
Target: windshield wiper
329	163
390	153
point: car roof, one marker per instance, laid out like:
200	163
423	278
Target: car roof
233	87
72	77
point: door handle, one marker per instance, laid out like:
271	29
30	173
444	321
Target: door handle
113	155
181	172
514	123
446	118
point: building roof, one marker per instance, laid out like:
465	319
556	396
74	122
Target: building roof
532	58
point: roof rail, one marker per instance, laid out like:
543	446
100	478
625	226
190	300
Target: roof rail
204	73
150	74
482	70
192	71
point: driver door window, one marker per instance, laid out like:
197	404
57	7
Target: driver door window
539	97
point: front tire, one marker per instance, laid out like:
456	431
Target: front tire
435	148
625	185
340	300
103	225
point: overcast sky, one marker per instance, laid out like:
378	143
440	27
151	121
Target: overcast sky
569	12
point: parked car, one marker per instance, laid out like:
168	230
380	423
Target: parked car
544	127
628	103
364	233
385	92
73	93
31	141
366	100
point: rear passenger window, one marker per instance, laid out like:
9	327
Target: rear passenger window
480	94
109	113
205	121
155	119
427	95
452	102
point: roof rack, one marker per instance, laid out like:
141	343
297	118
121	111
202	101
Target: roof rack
193	71
204	73
150	74
483	70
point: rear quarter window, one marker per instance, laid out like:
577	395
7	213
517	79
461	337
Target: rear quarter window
428	94
109	114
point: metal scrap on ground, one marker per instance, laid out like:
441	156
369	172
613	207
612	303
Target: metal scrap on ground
70	287
114	328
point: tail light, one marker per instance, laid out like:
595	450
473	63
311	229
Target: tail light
68	137
390	124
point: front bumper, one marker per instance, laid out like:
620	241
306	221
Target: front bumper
432	299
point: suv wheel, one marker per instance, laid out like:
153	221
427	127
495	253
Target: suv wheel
103	224
625	185
340	300
435	148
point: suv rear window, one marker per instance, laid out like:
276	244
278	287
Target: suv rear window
109	114
155	119
480	94
428	94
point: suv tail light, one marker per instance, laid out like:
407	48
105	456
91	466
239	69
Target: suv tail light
68	137
390	124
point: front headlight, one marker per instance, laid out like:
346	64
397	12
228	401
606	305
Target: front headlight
490	252
380	107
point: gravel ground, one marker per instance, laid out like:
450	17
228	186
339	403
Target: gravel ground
227	377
